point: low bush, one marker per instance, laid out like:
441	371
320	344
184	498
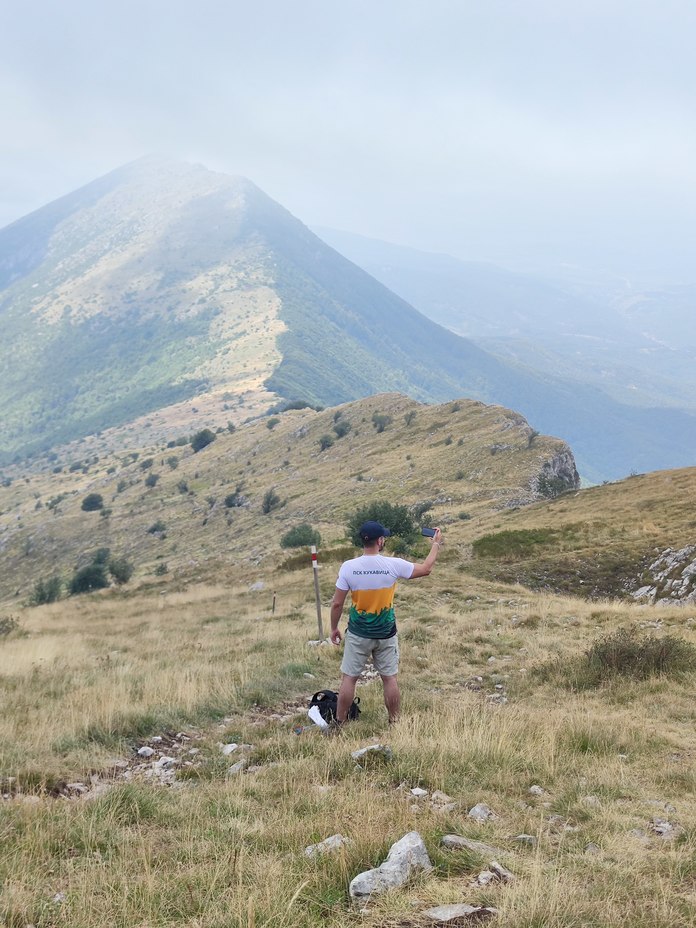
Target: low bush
235	500
381	421
325	442
271	501
121	570
46	591
92	502
627	653
300	536
202	439
89	578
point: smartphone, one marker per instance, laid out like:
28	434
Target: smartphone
428	532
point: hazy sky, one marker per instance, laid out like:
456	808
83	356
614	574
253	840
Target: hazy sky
508	130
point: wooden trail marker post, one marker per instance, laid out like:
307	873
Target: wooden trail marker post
315	569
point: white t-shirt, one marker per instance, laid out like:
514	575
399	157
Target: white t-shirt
371	579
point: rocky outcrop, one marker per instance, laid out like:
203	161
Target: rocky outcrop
672	578
556	475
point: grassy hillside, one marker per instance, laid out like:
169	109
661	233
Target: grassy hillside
596	542
462	458
499	693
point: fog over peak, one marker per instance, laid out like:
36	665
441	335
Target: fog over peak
531	135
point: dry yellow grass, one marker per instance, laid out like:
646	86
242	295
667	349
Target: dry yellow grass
87	681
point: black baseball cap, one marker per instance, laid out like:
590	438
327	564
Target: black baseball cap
371	531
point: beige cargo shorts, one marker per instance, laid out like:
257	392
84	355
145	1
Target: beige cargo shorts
357	651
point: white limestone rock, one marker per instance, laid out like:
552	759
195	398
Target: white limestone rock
406	858
456	914
332	843
481	813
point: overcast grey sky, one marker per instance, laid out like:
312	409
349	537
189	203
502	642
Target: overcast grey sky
505	130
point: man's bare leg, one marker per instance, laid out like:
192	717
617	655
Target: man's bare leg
346	694
392	697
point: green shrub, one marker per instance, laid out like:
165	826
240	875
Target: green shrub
397	519
381	421
46	591
235	500
121	486
325	442
202	439
272	422
161	570
121	569
410	416
146	463
271	501
299	536
551	487
157	527
92	502
341	428
151	480
101	556
173	461
86	579
55	501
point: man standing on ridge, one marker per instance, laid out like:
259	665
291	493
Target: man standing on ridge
371	579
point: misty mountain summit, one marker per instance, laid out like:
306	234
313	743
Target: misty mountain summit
165	289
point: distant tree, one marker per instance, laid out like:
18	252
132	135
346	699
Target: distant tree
91	577
397	519
92	502
300	536
325	442
381	421
121	570
46	591
271	501
341	428
202	439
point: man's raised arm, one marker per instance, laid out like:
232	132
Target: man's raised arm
422	570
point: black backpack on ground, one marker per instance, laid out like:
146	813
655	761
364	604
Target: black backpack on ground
327	701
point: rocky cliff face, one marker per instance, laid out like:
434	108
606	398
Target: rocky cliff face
672	578
556	475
